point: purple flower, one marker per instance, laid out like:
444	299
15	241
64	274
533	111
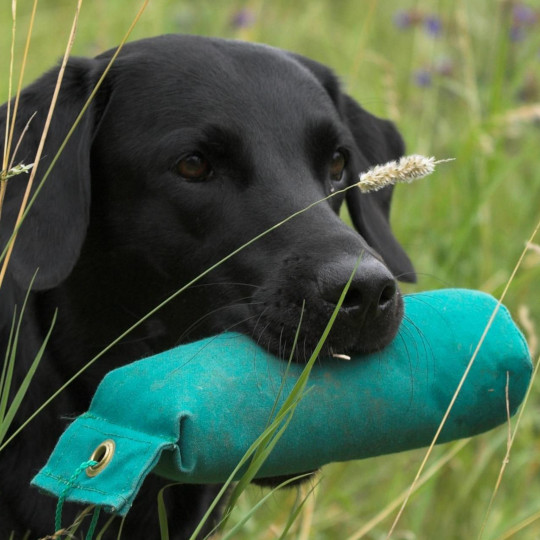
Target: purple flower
422	78
243	18
524	15
433	25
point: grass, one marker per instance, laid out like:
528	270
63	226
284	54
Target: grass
462	80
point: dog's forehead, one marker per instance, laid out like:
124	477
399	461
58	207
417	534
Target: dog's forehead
189	77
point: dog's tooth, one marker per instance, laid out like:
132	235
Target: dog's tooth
341	356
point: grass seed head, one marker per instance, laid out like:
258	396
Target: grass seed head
14	171
406	169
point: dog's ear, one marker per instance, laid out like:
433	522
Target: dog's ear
52	234
379	142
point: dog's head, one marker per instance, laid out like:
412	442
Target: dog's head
191	148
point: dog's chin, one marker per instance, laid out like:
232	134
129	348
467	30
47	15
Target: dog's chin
280	334
344	338
286	344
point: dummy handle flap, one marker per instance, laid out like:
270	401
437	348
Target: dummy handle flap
130	456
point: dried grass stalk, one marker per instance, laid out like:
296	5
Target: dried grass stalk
407	169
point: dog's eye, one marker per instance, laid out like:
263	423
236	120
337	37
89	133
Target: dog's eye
193	167
337	165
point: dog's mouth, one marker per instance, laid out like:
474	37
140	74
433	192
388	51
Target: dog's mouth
298	331
289	312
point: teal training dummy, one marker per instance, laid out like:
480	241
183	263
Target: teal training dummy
191	413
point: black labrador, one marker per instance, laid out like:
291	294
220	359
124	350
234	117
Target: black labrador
191	147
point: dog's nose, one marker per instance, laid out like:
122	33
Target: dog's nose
372	291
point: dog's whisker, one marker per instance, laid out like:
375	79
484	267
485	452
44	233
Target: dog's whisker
281	345
236	304
232	326
403	275
223	283
259	337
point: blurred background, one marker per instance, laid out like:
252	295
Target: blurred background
460	79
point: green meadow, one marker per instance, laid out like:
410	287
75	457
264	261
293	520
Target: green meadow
461	79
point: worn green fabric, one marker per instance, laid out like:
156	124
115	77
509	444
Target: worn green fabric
190	414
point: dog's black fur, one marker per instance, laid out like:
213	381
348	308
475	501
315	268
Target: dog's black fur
123	222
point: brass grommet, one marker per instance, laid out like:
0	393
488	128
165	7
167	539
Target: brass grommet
103	455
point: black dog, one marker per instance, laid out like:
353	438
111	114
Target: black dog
191	147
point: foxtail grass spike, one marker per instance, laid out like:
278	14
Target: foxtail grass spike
406	169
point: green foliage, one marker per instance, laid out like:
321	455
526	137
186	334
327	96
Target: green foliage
460	79
11	396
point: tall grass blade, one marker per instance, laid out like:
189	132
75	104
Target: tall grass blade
393	505
238	526
291	356
293	516
520	526
11	118
5	156
263	451
23	388
10	364
162	514
121	528
510	443
4	387
105	527
71	530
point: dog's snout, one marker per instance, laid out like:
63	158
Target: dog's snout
372	290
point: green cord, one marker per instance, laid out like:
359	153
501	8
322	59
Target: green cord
93	524
70	485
